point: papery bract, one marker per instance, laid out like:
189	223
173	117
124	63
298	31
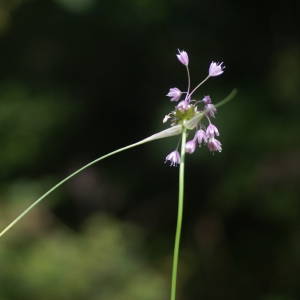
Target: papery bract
166	118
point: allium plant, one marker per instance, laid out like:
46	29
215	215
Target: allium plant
185	117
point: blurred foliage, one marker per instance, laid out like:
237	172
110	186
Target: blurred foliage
81	78
26	120
104	261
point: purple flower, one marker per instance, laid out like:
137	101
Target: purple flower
183	105
211	130
211	109
174	158
190	147
201	136
214	145
215	69
206	100
183	57
175	94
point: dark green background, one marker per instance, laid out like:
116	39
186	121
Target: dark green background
81	78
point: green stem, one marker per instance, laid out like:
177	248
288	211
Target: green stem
175	130
179	216
228	98
67	178
163	134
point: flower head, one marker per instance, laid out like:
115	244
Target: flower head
215	69
175	94
214	145
190	146
174	158
183	57
188	114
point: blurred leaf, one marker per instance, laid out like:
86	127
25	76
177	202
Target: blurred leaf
104	261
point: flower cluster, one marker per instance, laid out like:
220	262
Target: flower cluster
188	108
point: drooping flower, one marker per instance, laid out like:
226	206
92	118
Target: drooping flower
211	130
175	94
206	100
201	136
214	145
174	158
190	146
183	57
215	69
211	109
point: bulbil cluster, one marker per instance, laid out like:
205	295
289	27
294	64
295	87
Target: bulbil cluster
188	108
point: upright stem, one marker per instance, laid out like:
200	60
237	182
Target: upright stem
179	216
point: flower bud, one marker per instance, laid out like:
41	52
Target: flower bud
183	57
190	147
